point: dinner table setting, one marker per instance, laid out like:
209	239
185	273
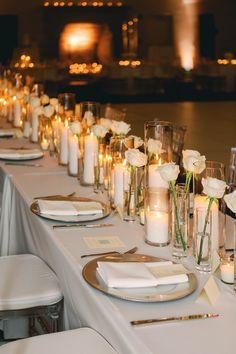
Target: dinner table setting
140	238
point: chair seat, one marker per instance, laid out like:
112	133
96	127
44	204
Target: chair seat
25	282
77	341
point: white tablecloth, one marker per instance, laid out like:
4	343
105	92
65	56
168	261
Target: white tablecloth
22	231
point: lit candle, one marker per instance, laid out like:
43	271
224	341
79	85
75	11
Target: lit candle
17	113
73	155
157	227
154	178
90	152
201	201
10	111
142	217
44	144
26	130
227	270
35	126
64	144
118	185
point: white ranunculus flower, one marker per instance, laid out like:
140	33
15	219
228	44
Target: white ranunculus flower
39	110
54	102
213	187
44	99
99	130
34	101
135	157
48	110
154	147
169	171
76	127
193	161
230	200
120	127
106	123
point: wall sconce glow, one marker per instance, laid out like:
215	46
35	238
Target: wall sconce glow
186	36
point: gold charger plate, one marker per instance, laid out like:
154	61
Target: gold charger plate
106	210
152	294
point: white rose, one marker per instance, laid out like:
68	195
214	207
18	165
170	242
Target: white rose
34	101
136	139
99	130
48	111
169	171
106	123
44	99
54	102
39	110
213	187
76	127
135	157
120	127
193	161
154	147
230	200
88	119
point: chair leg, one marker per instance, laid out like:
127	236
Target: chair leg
55	313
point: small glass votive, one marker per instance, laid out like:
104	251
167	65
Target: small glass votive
227	269
157	218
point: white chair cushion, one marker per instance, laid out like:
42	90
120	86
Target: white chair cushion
26	281
76	341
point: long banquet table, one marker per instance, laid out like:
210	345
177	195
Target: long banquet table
21	231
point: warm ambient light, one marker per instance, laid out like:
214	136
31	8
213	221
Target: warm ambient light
84	69
24	62
83	3
132	63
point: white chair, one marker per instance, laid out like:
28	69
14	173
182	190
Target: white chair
76	341
28	287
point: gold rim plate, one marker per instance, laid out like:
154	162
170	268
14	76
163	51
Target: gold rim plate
160	293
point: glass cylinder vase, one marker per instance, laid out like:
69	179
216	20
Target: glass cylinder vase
180	219
158	148
157	217
202	241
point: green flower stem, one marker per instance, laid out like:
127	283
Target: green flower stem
132	175
211	200
188	180
179	231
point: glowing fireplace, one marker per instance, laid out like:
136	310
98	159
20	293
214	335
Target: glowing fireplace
85	43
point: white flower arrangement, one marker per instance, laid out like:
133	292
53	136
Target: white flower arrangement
76	127
99	130
138	142
154	147
44	99
230	200
48	111
120	127
135	157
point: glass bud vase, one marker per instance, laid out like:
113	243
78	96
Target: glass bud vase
129	197
202	241
180	218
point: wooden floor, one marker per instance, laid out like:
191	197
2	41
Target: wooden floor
211	126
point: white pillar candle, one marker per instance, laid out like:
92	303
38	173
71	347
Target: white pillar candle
157	227
118	185
142	217
201	201
35	126
17	113
227	272
44	144
26	129
64	144
154	178
73	155
90	152
10	111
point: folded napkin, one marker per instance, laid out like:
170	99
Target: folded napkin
56	207
139	275
20	153
6	132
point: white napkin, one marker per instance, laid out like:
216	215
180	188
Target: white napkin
52	207
6	132
20	153
136	275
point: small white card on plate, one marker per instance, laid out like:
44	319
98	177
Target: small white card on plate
168	270
210	292
103	242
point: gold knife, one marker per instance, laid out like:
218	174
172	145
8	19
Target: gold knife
81	225
178	318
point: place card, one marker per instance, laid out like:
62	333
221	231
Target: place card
168	270
210	292
103	242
